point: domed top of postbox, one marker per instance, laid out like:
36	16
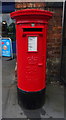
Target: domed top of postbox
31	15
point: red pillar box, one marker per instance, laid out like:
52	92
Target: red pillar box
31	33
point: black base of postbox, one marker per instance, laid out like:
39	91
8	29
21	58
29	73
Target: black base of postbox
31	100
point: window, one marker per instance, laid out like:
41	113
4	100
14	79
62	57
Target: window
8	27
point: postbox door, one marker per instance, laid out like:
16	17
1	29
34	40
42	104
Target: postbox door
33	63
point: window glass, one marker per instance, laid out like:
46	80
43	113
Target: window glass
8	26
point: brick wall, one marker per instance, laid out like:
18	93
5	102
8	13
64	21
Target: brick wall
30	5
54	41
54	37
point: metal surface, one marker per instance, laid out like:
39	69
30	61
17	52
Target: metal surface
31	64
63	55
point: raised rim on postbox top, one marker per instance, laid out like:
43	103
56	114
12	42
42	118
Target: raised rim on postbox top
29	12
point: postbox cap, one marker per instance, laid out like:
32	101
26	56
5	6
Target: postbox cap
31	12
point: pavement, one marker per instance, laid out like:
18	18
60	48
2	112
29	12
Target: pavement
54	103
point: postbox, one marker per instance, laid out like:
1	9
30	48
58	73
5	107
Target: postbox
31	33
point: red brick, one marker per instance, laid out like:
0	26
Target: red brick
24	5
18	5
30	5
38	5
21	5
